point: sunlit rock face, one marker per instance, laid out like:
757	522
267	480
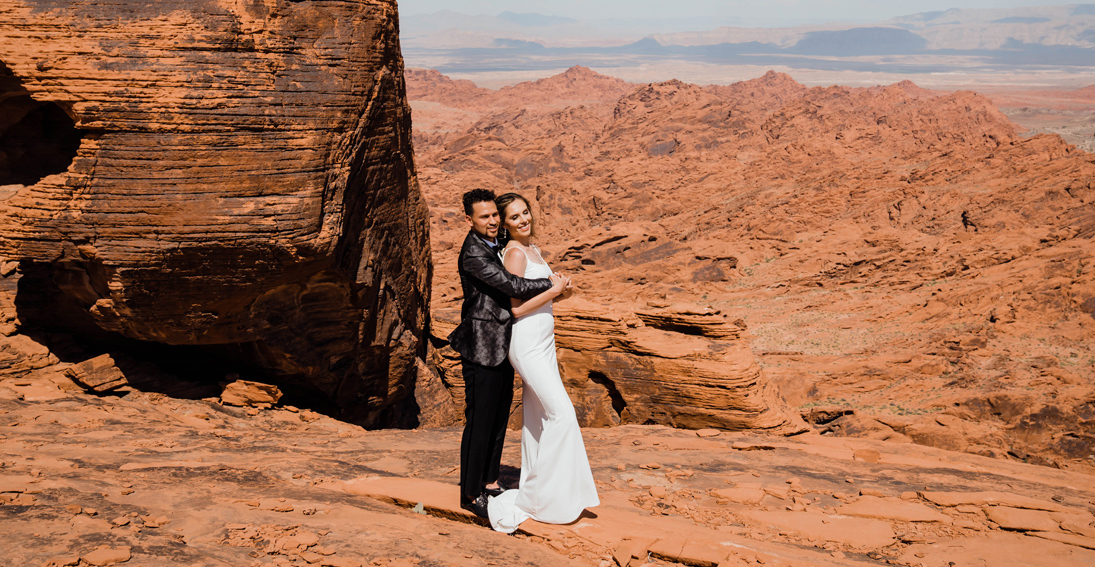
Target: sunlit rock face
232	173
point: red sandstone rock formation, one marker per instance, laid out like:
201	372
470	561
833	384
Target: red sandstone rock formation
672	366
903	260
617	368
431	86
234	175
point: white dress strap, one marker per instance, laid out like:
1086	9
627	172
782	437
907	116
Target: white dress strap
536	249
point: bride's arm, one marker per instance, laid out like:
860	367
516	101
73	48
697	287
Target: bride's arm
515	264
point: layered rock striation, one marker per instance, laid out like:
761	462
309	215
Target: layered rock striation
229	174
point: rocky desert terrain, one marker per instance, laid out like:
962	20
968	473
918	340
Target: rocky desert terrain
908	265
815	325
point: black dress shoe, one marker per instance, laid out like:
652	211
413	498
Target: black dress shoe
477	506
495	491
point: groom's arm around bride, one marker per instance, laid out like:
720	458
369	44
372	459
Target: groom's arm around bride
483	333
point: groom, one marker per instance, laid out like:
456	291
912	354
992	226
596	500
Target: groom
482	339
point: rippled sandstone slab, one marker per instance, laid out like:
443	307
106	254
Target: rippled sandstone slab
240	174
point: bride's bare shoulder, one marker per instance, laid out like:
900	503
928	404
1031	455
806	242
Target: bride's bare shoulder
512	246
515	263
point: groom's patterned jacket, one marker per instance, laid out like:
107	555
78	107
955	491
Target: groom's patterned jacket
485	320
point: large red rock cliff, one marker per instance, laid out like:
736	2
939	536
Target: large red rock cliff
230	174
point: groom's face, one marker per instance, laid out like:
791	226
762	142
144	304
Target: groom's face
484	219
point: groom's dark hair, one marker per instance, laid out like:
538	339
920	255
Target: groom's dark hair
476	196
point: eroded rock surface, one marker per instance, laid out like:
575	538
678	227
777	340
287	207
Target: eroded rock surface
238	174
905	264
149	480
681	368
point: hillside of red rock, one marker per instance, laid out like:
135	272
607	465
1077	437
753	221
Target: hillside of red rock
906	265
575	86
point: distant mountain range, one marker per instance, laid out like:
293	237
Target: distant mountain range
932	42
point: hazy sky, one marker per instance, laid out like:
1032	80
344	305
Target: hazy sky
716	10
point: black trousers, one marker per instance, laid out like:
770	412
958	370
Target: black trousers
489	393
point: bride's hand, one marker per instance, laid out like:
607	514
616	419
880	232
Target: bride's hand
570	282
559	283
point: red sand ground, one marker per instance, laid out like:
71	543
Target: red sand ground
149	480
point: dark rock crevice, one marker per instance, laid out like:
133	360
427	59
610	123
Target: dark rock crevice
619	405
37	139
62	323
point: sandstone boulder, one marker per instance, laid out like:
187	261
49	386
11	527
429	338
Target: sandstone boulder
1020	519
107	556
248	393
99	374
20	355
891	509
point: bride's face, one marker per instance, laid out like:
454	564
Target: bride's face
518	219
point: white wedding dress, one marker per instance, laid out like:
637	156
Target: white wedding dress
556	482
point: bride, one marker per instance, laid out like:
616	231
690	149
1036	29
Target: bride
556	482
